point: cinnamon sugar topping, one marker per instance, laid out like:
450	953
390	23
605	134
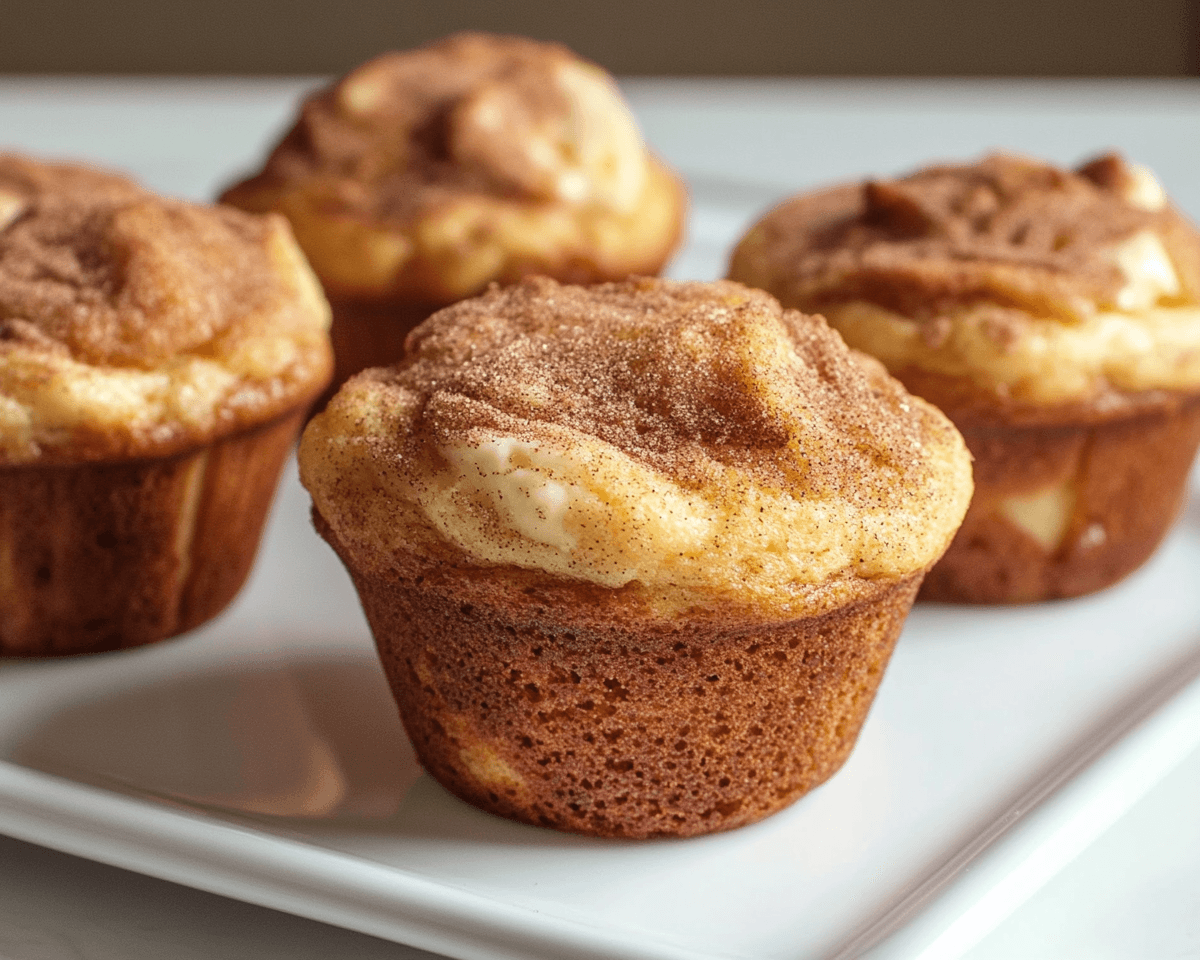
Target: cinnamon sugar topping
122	278
113	300
676	376
423	176
1008	230
1035	283
649	431
475	112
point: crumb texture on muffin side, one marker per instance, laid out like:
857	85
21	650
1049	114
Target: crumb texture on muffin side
427	174
132	325
690	442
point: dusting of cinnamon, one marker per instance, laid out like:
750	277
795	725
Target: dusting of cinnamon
1006	230
685	436
664	372
399	134
118	306
119	277
1042	286
423	175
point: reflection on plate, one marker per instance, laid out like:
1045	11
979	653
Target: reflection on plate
310	739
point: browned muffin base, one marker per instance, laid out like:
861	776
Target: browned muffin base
602	721
1129	478
97	557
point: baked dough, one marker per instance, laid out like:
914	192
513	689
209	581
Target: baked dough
156	361
636	555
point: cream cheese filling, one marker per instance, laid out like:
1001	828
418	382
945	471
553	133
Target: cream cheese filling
1148	270
515	477
578	508
1144	191
1044	515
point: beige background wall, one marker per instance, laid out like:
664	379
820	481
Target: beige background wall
749	37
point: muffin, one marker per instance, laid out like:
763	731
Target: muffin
421	177
156	360
1054	315
635	556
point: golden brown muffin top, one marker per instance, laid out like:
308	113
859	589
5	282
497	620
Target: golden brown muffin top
686	436
1007	229
425	175
131	324
665	372
473	113
1006	289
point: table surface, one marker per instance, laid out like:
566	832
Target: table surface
1133	893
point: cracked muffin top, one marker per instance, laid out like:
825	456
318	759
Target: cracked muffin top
694	442
134	325
1039	285
428	174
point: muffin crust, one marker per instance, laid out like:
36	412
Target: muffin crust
423	176
131	325
109	555
635	436
1038	285
1063	510
635	556
567	706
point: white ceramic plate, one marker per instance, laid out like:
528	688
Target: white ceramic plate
260	758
